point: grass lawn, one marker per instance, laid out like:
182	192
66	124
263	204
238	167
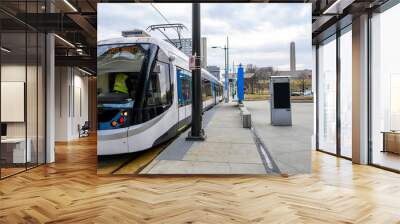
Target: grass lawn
250	97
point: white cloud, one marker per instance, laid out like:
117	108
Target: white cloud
258	33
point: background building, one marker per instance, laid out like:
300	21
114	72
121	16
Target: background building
215	71
185	44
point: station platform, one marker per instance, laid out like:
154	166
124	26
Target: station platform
231	149
228	149
289	147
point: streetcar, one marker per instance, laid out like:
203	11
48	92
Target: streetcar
144	94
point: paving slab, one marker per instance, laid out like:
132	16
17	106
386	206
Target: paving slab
228	149
289	146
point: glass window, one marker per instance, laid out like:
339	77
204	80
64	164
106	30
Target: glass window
385	92
203	91
22	77
184	87
120	70
117	88
179	77
159	90
15	148
187	92
158	93
206	89
327	96
346	93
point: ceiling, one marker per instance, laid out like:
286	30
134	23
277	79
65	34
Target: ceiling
76	20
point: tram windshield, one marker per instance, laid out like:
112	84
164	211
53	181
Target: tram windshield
119	69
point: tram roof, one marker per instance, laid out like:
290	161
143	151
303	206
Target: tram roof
167	47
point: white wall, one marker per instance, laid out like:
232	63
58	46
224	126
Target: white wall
79	115
62	82
71	87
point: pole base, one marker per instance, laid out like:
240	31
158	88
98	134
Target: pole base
201	137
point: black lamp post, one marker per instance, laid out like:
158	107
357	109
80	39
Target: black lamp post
197	132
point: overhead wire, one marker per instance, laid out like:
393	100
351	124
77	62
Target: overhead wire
159	12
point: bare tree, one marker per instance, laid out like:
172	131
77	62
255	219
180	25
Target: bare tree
303	77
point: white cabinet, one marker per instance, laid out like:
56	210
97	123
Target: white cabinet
19	155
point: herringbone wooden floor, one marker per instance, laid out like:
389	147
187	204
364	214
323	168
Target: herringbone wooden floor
69	191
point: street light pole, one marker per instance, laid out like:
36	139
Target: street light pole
227	71
226	75
197	132
226	81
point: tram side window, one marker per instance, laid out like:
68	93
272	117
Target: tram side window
206	89
186	90
180	76
159	91
185	97
203	90
158	95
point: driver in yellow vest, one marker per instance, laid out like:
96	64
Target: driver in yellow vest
120	83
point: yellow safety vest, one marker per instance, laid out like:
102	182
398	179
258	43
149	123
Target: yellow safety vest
119	84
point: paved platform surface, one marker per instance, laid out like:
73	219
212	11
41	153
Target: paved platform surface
289	146
228	148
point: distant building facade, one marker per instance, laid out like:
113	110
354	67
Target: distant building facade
185	45
298	74
215	71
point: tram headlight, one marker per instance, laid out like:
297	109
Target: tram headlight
114	123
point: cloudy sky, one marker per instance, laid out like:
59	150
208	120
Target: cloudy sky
259	34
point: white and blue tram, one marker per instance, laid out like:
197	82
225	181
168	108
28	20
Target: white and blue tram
144	93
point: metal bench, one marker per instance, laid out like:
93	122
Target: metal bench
246	117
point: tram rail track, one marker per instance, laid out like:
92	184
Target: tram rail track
130	163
